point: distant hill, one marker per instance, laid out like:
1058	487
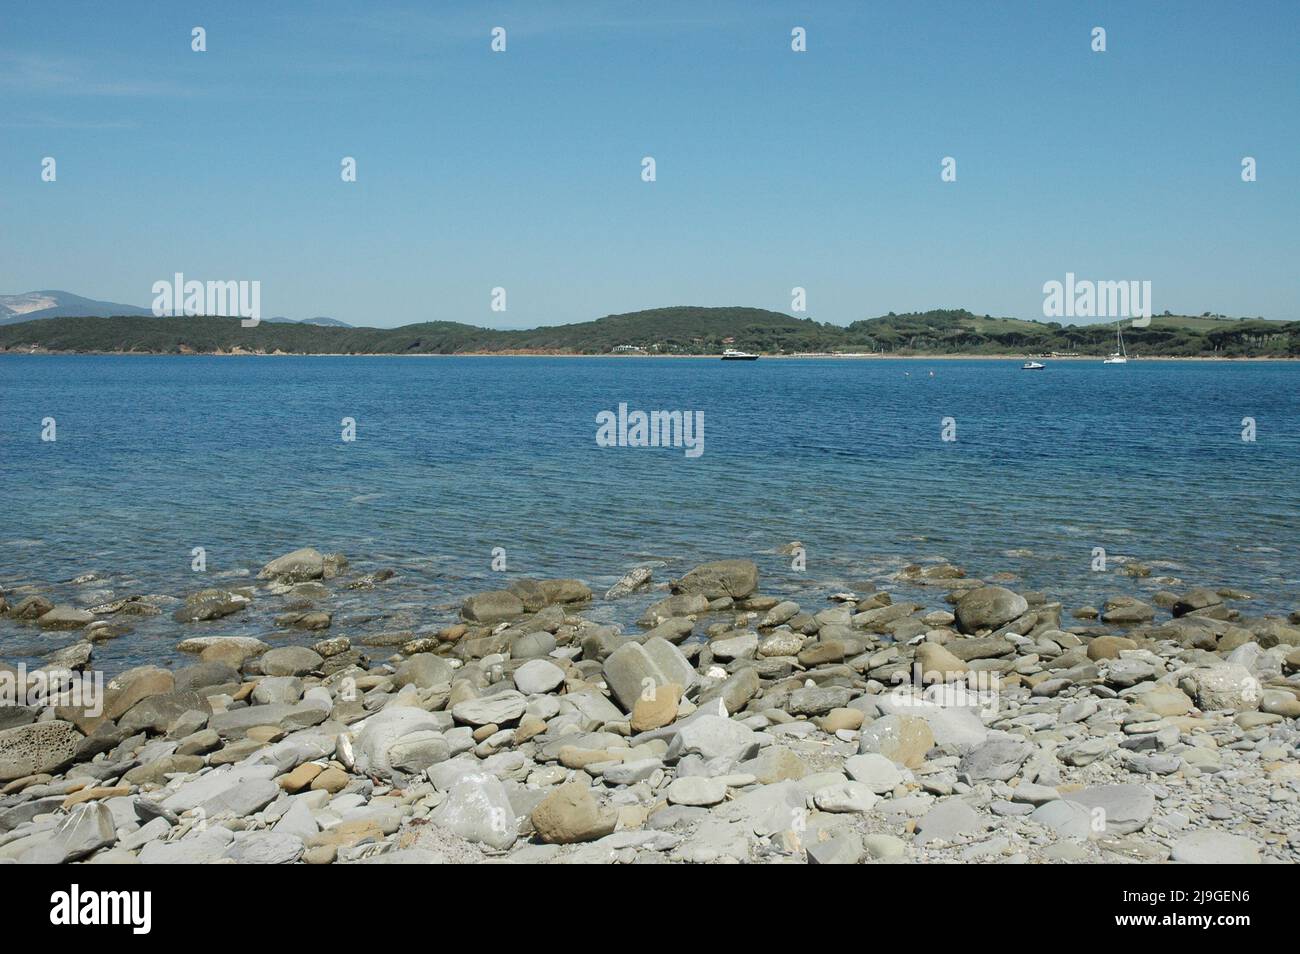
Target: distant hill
31	306
319	320
679	330
56	304
960	332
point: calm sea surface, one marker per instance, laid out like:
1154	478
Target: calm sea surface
456	456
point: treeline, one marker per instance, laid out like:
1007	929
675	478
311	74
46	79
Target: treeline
684	330
960	332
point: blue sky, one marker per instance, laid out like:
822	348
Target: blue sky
775	169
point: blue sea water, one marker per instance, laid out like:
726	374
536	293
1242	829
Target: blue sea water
457	456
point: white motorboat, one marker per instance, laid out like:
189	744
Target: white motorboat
1032	366
731	354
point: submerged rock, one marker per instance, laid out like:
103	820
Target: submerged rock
733	578
305	564
493	606
65	617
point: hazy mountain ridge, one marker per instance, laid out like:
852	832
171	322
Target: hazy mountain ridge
37	305
320	320
32	306
677	330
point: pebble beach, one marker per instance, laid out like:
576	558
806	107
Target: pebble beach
544	723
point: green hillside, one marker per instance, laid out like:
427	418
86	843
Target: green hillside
679	330
960	332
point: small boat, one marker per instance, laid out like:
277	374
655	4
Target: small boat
1032	366
731	354
1120	356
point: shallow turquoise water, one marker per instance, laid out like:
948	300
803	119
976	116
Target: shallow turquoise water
456	456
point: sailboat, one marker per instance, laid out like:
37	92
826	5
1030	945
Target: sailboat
1120	356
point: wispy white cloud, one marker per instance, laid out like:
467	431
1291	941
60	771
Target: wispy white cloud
35	74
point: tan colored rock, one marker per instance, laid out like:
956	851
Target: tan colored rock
235	751
81	717
773	764
1109	647
659	710
231	653
633	816
1234	637
449	634
156	772
1165	700
332	780
265	733
125	690
571	814
822	653
1253	720
575	758
903	739
18	784
1280	702
94	794
529	727
300	777
346	834
939	665
838	719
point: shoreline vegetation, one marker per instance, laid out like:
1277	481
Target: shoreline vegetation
713	723
673	332
684	357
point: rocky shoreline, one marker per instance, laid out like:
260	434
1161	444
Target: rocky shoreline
721	725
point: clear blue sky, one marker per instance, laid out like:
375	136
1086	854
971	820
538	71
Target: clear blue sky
775	169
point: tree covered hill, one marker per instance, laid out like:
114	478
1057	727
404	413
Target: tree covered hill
678	330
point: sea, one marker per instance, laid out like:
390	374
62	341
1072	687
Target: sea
464	473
